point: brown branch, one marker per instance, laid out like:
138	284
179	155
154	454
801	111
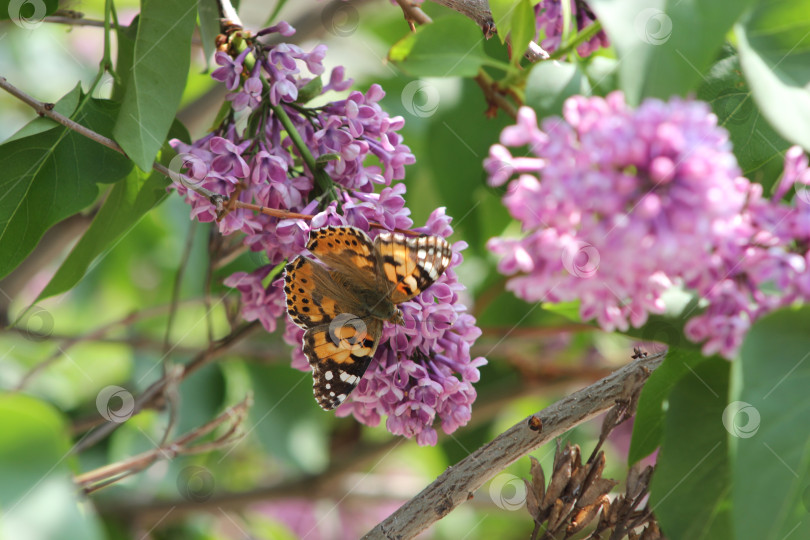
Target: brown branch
283	214
103	476
70	341
324	484
477	10
413	13
494	97
459	482
149	396
46	110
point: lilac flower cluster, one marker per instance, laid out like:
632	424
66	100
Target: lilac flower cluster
412	378
549	20
422	371
618	205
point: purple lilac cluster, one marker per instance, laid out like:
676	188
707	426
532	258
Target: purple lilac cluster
422	371
618	205
549	21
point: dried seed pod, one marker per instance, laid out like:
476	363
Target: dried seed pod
563	465
582	518
538	478
651	532
596	490
596	467
556	515
532	502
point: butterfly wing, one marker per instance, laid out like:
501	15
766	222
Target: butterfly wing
347	250
311	296
338	344
339	354
410	264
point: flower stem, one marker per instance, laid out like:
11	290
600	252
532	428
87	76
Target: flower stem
578	40
321	178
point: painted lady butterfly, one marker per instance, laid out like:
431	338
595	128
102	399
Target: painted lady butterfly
343	308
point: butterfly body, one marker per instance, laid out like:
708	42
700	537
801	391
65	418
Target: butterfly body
343	307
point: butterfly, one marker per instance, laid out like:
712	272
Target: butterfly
343	305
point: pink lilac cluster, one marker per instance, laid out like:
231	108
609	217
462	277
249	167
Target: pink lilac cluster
412	379
549	21
422	371
618	205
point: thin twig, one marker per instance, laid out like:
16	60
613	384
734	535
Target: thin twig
157	388
93	480
46	110
493	96
413	13
70	341
457	483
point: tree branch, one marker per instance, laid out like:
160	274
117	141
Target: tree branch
477	10
459	482
187	444
157	388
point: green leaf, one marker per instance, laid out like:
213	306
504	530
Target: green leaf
286	418
202	398
691	484
769	431
758	148
50	176
665	47
208	12
458	140
602	74
774	45
451	46
27	15
551	83
311	90
126	36
125	206
323	159
65	106
502	16
157	79
569	310
648	427
38	497
522	29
